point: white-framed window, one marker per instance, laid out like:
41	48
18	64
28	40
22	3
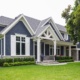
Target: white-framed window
20	45
51	50
58	50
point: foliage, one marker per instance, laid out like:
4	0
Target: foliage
1	36
72	18
17	61
64	59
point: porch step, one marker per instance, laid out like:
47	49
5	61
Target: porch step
50	61
48	57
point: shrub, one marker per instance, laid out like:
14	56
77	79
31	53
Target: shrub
6	64
64	59
9	60
2	62
17	61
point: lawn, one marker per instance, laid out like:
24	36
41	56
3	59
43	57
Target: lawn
71	71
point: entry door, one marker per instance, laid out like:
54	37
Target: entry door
46	49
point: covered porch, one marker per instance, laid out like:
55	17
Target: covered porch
50	48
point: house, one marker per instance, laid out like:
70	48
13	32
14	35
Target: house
26	36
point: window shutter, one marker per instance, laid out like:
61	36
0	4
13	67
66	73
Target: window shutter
27	46
13	45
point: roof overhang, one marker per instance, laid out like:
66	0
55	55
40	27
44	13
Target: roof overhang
19	18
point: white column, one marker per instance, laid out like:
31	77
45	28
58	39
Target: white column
77	55
64	50
38	50
4	46
54	48
69	51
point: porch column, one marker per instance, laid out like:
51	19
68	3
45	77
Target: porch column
38	50
69	51
64	50
54	48
77	55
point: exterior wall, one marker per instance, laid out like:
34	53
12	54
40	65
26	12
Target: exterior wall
19	28
1	28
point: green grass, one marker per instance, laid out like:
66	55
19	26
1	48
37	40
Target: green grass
71	71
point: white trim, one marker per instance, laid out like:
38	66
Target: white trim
21	35
56	28
38	50
1	47
64	50
69	51
43	24
55	48
55	37
4	45
4	31
77	55
43	30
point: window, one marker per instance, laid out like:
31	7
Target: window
20	45
51	50
58	50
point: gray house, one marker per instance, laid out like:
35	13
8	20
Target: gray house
26	36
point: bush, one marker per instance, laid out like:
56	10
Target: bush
2	62
64	59
9	60
6	64
17	61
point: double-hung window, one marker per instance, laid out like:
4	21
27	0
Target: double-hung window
20	45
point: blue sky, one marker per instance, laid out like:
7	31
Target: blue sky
39	9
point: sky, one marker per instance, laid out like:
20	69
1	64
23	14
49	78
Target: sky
39	9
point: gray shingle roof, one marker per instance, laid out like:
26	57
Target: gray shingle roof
5	20
40	28
34	23
61	28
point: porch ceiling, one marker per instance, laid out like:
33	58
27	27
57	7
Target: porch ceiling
65	43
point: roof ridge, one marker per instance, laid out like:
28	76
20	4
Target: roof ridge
32	18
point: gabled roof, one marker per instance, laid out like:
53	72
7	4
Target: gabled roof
5	20
37	26
61	28
33	22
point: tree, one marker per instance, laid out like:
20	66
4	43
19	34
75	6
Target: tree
72	19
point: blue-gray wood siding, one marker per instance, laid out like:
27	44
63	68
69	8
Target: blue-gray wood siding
1	28
19	28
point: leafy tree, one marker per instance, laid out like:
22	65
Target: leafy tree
72	19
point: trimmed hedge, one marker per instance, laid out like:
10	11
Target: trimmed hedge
17	61
63	59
